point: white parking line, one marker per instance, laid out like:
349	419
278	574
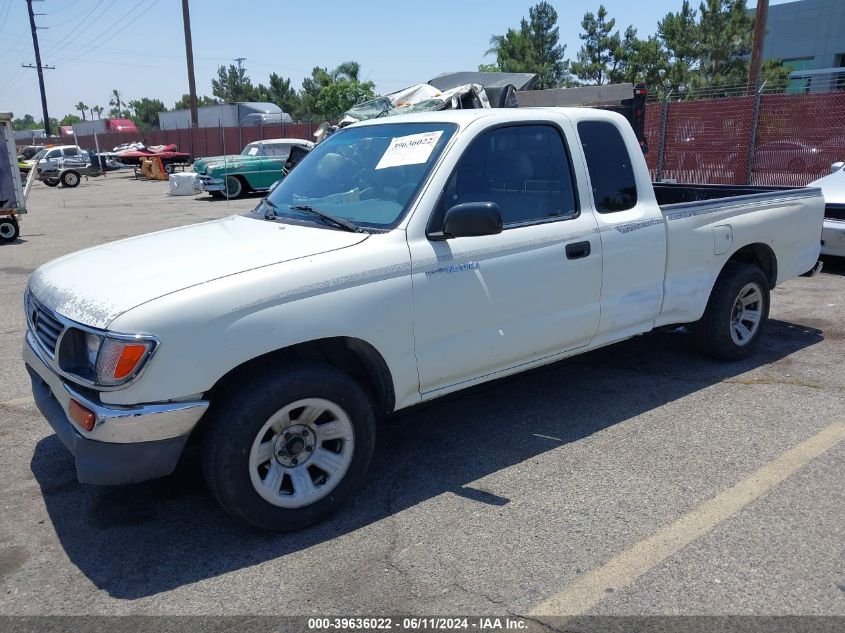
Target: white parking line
623	569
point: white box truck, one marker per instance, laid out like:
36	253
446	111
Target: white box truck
226	115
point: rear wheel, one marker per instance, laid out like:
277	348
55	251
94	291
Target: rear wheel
9	229
51	182
736	313
70	179
284	451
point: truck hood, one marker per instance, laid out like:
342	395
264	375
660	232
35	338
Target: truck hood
96	285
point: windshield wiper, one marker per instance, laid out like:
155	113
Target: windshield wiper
270	212
346	225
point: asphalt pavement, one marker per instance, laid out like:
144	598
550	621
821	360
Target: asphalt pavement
638	479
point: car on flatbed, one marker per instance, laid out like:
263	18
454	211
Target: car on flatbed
404	258
256	168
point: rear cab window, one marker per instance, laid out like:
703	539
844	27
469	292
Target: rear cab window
609	165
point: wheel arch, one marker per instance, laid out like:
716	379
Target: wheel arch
354	356
759	254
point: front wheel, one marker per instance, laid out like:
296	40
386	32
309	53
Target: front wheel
234	187
284	451
736	313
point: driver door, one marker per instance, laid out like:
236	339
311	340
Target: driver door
487	304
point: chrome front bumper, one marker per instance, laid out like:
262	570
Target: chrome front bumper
207	183
127	444
833	238
116	424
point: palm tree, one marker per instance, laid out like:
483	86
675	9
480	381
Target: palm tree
98	110
116	101
82	108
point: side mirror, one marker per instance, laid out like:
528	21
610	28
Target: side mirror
835	167
472	219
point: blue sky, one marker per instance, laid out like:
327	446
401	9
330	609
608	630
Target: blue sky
137	46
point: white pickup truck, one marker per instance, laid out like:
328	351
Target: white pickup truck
403	259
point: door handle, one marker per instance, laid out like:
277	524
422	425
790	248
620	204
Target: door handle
577	250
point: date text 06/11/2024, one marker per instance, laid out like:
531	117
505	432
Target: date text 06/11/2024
479	623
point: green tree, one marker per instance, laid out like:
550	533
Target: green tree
28	122
232	85
146	111
601	53
314	98
678	36
280	92
81	107
337	97
533	47
488	68
724	38
643	60
117	103
98	110
185	102
70	119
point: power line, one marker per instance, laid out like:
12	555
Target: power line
66	37
105	41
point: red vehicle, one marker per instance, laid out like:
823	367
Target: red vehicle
120	125
167	153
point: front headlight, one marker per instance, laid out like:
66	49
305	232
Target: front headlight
104	359
120	360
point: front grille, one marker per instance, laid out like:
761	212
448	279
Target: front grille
834	212
46	327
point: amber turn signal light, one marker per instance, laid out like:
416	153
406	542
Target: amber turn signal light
129	358
82	416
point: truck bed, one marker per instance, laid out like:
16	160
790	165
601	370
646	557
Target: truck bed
672	193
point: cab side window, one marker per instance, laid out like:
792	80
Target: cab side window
611	171
56	153
524	169
71	151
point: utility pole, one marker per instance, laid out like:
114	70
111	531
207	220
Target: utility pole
189	54
240	61
39	68
760	19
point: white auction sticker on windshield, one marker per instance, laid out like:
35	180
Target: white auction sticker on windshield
409	150
253	151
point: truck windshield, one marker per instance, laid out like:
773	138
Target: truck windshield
367	175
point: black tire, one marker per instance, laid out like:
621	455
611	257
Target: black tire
239	413
169	168
70	179
234	186
714	333
9	230
51	182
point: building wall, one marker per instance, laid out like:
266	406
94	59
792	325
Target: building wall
812	31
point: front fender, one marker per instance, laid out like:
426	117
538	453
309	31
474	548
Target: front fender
361	292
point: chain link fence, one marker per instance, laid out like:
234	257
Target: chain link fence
731	137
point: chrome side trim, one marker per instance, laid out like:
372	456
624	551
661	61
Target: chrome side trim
121	425
681	210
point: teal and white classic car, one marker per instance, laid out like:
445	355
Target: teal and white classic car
256	168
